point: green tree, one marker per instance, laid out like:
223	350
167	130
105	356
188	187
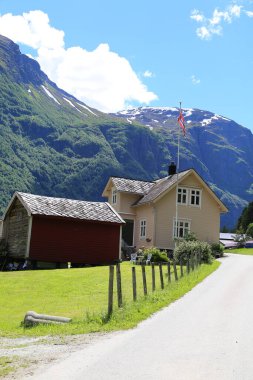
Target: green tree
246	217
249	231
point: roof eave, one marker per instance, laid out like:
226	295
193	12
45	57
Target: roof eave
105	193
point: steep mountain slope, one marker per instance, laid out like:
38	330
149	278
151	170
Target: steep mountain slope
53	144
218	148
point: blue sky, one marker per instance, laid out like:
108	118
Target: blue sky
116	54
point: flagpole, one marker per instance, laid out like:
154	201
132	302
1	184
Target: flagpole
178	161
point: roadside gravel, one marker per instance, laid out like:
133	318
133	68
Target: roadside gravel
29	354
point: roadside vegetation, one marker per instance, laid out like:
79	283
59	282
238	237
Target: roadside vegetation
82	294
240	251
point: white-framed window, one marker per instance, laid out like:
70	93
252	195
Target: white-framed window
114	196
182	196
143	228
181	228
195	197
188	196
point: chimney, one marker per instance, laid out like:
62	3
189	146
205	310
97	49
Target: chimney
172	169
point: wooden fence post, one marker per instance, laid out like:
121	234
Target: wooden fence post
144	280
134	283
153	276
161	275
110	290
175	270
169	272
119	289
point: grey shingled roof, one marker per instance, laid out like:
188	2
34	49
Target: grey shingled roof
132	185
160	187
69	208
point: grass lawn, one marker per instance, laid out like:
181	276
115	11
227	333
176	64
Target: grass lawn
82	294
240	251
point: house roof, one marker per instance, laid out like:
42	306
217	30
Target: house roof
126	185
160	187
152	191
229	243
227	236
68	208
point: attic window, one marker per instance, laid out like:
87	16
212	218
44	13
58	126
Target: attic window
114	196
182	196
195	197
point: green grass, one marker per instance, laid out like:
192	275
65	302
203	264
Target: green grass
240	251
82	294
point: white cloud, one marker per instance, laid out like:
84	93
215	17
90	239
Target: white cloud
249	13
148	74
197	16
31	29
195	80
213	25
101	78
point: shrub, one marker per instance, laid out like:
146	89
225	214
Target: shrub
217	249
249	231
190	236
157	255
187	249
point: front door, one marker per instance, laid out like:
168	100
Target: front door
128	232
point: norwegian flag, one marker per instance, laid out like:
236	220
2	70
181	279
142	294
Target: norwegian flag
180	120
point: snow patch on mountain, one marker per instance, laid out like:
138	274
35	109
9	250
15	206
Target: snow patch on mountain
50	95
208	121
82	105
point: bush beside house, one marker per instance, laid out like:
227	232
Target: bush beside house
187	249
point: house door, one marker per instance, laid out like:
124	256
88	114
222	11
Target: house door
128	232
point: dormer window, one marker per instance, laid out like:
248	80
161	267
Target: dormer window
114	196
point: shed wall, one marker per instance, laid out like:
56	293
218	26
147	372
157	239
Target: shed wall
61	240
15	229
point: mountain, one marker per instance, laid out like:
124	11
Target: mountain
53	144
217	147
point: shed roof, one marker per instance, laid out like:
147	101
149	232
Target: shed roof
227	236
68	208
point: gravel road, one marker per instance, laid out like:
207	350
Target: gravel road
207	334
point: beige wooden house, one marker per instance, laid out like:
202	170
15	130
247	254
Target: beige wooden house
152	217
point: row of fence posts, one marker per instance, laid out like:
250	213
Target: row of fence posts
191	264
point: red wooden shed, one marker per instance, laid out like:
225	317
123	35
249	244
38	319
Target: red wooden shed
57	230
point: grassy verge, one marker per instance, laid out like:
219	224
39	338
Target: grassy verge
82	295
240	251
